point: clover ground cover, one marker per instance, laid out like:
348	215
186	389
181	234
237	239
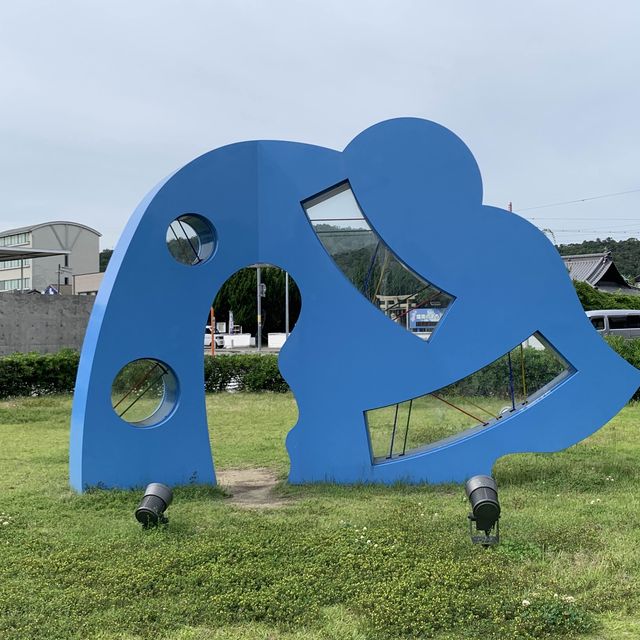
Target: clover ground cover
335	563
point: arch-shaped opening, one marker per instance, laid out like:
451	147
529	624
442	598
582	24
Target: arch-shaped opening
248	431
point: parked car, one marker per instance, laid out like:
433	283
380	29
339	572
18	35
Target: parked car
218	338
616	322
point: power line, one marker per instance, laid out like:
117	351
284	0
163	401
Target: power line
591	219
618	231
599	228
599	197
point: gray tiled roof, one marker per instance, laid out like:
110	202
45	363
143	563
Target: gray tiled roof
589	267
598	270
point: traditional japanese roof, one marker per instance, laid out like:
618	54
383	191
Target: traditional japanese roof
598	270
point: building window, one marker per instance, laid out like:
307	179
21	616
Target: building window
14	264
14	285
15	239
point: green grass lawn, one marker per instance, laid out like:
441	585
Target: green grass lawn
338	563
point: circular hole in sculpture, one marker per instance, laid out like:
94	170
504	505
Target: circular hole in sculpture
191	239
144	392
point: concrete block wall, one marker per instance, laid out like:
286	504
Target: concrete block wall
46	324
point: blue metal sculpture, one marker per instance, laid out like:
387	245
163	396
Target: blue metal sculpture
420	189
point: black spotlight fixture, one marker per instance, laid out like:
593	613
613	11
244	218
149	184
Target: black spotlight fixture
150	511
482	492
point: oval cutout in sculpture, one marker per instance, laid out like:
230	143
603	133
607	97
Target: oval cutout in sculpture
191	239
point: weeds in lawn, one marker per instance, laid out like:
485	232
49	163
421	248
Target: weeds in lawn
336	563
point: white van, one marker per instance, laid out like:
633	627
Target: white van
616	322
217	337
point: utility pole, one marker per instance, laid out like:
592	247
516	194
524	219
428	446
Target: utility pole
259	299
212	328
286	303
60	270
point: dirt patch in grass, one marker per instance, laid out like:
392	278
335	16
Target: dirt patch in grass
251	488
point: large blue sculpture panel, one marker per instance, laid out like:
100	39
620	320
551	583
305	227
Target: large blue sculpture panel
420	190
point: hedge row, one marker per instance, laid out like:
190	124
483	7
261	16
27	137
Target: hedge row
494	381
35	374
26	374
30	374
243	373
630	351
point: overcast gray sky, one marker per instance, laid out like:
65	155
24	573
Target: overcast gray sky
100	100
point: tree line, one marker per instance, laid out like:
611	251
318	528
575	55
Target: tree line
373	271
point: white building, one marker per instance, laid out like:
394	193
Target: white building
87	284
82	243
